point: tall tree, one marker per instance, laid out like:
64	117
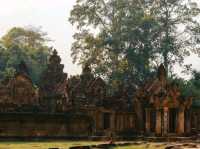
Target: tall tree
116	37
178	29
30	37
24	44
123	40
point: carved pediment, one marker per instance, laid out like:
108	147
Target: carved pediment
22	90
162	93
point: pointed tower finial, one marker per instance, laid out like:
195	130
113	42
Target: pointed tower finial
22	68
162	74
86	69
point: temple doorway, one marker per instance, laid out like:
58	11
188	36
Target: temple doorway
152	120
173	120
106	120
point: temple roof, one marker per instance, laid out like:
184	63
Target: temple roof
160	92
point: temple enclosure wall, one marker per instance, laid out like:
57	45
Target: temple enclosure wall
61	125
82	105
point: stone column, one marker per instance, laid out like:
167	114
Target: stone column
158	122
113	124
165	120
121	122
117	122
181	120
112	121
198	117
95	126
124	121
147	122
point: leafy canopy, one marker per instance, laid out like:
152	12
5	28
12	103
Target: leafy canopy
125	40
24	44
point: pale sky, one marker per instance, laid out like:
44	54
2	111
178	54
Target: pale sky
52	16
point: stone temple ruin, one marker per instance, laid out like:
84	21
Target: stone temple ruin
79	106
165	110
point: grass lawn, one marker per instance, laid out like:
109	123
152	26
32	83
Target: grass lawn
67	144
43	144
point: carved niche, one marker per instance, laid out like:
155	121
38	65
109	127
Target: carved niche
21	87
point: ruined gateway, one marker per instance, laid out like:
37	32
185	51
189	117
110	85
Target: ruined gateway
79	106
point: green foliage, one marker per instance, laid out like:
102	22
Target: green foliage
190	88
194	85
120	48
125	40
23	44
25	37
178	29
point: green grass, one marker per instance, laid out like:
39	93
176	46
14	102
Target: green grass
43	145
67	144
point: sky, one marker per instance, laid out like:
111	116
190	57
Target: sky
52	16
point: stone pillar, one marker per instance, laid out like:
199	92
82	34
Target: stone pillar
132	121
198	126
112	121
121	122
124	121
180	122
112	124
165	120
118	122
95	126
158	122
147	122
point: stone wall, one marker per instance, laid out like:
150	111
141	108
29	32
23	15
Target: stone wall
42	125
195	120
89	123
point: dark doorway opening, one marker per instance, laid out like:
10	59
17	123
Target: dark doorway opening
172	120
152	120
106	120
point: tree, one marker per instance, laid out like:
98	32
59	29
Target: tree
125	40
189	88
193	85
118	48
30	37
24	44
178	29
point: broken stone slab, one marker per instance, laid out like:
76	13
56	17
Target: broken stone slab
105	146
126	144
80	147
173	147
190	145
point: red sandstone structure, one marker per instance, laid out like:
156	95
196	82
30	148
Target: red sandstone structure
165	110
80	106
